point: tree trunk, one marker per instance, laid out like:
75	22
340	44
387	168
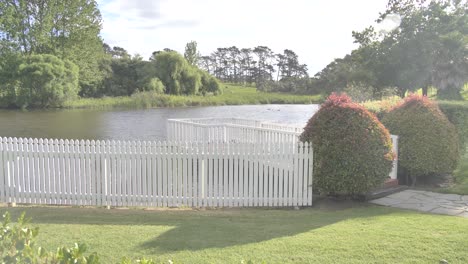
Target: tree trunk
424	91
401	93
413	181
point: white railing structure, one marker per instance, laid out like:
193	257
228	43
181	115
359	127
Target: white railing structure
230	130
124	173
242	130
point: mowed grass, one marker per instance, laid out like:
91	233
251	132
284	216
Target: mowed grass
232	95
360	234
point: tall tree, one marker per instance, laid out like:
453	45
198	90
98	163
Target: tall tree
246	62
234	58
265	63
68	29
206	63
191	53
429	48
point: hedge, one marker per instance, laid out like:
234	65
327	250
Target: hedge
352	149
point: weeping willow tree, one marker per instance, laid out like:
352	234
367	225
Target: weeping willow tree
179	77
46	81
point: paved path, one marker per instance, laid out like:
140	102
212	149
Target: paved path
437	203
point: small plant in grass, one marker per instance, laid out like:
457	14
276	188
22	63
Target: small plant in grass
428	143
352	149
17	247
16	241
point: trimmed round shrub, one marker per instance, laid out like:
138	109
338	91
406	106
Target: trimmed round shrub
428	142
352	149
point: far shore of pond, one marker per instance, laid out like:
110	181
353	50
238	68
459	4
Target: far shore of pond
232	95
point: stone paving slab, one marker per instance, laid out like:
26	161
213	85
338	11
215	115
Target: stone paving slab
431	202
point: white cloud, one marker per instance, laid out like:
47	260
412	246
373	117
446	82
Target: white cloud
317	30
390	22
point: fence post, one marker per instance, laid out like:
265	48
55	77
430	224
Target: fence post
2	174
311	174
393	173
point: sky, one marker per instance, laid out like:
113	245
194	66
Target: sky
317	30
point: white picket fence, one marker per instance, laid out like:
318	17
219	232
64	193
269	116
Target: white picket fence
160	174
230	130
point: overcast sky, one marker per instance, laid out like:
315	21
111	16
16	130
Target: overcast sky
317	30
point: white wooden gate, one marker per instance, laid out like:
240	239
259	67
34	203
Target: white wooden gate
124	173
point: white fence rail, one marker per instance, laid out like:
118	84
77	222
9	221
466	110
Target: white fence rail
230	130
115	173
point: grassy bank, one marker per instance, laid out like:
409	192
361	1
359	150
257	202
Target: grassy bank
232	95
355	235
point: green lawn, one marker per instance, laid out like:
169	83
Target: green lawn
360	234
232	95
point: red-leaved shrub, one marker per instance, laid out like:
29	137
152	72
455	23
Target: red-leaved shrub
352	149
428	142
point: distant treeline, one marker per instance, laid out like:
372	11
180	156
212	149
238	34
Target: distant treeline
427	48
252	65
51	51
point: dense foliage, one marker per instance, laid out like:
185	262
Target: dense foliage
427	47
179	77
49	47
457	114
428	142
40	81
67	29
352	149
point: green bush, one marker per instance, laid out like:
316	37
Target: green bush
359	92
155	85
428	142
457	114
352	149
46	81
209	84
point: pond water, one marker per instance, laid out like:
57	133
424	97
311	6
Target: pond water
147	124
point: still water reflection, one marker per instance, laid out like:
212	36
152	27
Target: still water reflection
148	124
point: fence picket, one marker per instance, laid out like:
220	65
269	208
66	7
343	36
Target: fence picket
152	186
230	175
225	175
236	174
189	184
310	158
301	175
164	174
3	196
14	168
179	174
216	176
255	176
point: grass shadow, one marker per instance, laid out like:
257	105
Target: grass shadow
194	230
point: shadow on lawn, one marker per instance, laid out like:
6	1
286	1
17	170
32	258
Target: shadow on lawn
198	230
